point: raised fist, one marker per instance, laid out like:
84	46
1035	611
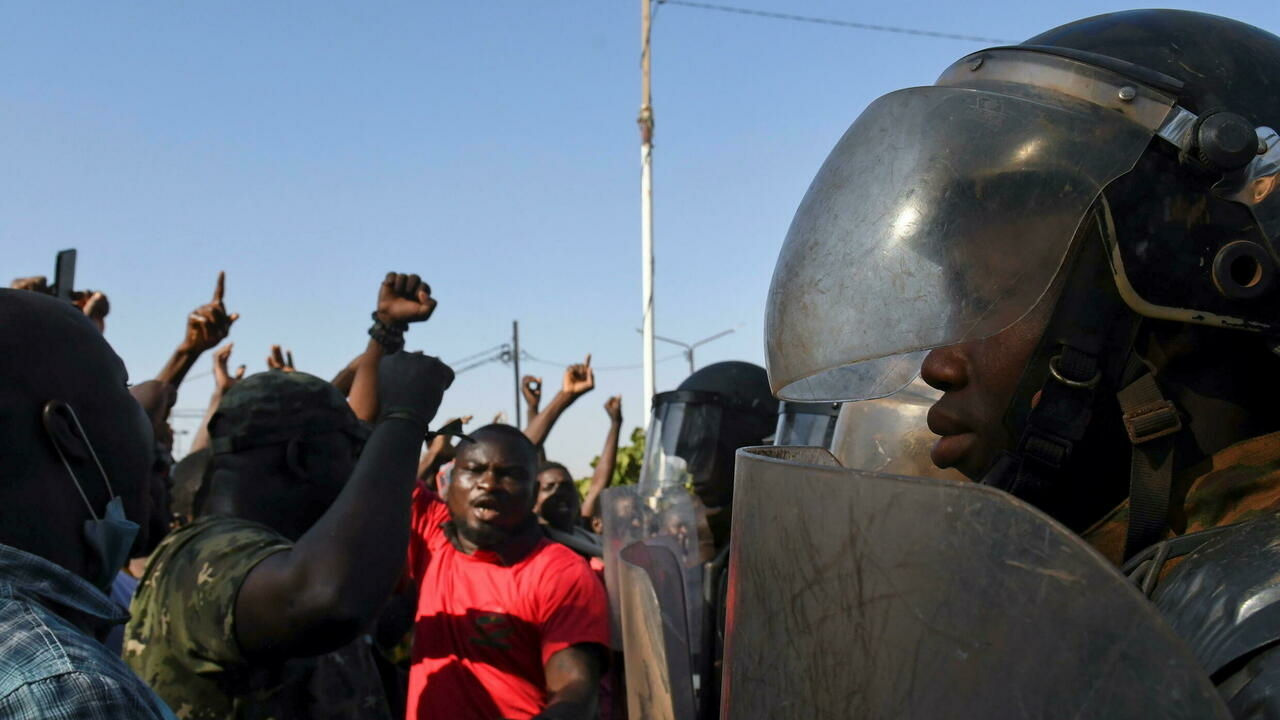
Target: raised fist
404	299
413	381
613	406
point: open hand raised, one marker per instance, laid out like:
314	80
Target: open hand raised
280	360
221	376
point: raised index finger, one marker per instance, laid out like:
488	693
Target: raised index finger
217	289
588	362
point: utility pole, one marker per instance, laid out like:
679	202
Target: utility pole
515	363
645	121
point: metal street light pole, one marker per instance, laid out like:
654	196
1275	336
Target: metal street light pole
645	121
689	347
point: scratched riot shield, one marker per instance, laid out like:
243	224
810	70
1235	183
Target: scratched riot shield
665	520
855	594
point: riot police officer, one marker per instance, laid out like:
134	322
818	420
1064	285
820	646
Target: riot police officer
695	431
1077	237
665	538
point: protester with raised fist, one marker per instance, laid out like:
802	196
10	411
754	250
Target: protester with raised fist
259	607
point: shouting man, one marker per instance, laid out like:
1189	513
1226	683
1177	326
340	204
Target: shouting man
508	623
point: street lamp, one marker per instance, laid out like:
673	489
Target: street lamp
689	347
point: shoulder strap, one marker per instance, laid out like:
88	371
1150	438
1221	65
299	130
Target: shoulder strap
1151	422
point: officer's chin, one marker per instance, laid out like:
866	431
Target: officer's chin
963	451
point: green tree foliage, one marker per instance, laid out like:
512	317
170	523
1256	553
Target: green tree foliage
626	471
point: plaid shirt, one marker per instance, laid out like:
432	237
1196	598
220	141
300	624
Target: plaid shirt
51	668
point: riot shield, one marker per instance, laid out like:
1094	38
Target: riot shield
658	662
668	521
626	520
857	594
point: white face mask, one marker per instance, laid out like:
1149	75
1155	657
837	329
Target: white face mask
109	536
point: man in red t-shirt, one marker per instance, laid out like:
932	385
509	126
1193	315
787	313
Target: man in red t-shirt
508	624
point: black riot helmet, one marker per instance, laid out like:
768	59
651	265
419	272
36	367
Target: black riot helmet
696	429
812	424
1117	174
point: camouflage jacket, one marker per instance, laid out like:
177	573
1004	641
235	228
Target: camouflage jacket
181	639
1234	485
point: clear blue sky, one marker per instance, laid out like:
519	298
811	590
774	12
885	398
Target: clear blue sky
490	145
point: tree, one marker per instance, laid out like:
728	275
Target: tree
626	471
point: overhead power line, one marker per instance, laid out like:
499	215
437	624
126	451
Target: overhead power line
473	356
476	364
502	354
838	23
535	359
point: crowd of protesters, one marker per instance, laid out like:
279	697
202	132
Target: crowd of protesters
326	549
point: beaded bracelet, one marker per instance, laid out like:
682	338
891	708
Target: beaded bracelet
390	337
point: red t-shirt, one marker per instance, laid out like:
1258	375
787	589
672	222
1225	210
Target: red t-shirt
484	630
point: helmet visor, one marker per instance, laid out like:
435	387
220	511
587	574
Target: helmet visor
681	447
802	425
941	217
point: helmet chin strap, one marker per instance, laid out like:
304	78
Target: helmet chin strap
1088	346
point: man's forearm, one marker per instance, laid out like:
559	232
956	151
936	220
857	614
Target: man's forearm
346	376
363	397
357	548
540	427
180	363
604	469
428	466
